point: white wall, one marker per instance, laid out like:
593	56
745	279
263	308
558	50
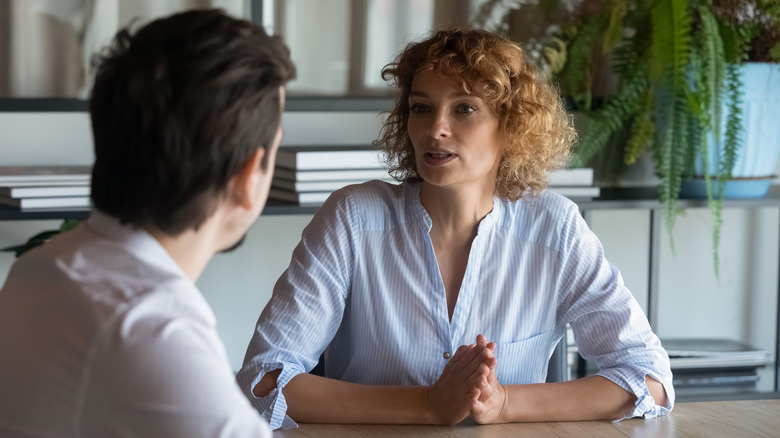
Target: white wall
691	303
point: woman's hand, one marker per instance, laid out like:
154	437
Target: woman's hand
489	406
457	390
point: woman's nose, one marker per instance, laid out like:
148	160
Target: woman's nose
440	126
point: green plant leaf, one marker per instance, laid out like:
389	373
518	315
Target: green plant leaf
41	238
774	52
614	33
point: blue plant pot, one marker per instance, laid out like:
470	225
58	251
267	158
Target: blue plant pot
733	188
758	156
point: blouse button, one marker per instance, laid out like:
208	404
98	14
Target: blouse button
446	355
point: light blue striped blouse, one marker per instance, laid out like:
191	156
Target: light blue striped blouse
364	283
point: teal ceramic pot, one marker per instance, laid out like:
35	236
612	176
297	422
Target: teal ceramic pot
758	157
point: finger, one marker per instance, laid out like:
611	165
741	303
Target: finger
459	353
475	363
473	352
475	396
484	370
485	389
480	372
488	357
481	339
475	392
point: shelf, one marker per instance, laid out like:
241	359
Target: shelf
726	396
9	213
611	198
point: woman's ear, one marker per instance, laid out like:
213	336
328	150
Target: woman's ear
245	184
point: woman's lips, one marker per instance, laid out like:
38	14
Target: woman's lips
438	158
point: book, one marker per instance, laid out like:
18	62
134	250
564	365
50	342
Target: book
282	173
715	377
713	353
44	191
318	186
47	203
301	198
35	174
328	157
571	177
50	183
576	192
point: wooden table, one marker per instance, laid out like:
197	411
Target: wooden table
746	418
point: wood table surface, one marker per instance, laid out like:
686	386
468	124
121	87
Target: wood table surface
744	418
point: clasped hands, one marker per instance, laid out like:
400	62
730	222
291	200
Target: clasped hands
468	386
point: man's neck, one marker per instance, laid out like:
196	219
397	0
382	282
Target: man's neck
191	250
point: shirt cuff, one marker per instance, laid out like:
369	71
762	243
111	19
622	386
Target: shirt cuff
273	407
633	381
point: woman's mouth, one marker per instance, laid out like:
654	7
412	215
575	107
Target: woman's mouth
438	158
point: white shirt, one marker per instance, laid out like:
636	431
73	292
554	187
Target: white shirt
365	284
102	334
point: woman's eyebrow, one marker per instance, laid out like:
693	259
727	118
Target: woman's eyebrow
416	93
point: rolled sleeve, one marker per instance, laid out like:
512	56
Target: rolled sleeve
273	407
632	379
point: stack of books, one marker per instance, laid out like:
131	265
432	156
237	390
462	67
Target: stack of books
307	175
573	183
706	366
701	366
31	188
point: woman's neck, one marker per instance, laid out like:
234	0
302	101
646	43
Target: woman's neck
456	209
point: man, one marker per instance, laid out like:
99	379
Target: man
102	330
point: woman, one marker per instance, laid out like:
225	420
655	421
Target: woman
443	297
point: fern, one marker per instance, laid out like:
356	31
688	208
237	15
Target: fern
579	64
713	72
732	140
614	33
671	47
710	88
611	118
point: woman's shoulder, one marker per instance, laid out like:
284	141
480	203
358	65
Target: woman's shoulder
375	202
542	218
547	205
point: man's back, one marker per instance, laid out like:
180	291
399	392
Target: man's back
103	334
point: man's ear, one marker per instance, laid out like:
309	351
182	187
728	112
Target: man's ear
246	182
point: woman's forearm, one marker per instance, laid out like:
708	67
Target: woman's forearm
588	398
314	399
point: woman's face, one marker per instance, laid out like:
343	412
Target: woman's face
455	135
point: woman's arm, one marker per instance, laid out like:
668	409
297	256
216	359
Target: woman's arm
314	399
587	398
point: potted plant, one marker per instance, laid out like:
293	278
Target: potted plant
678	69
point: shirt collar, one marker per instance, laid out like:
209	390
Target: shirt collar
420	215
134	239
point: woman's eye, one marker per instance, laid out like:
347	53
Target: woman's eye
417	108
466	109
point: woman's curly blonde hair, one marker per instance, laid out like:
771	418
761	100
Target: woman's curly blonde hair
537	130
